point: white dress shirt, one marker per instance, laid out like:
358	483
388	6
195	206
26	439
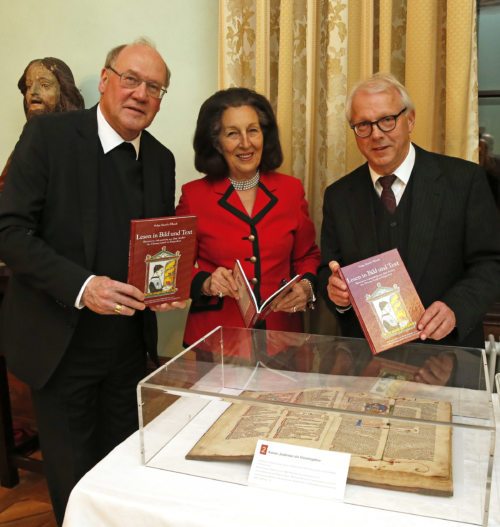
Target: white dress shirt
402	174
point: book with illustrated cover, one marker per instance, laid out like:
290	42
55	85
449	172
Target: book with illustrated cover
161	257
247	302
385	300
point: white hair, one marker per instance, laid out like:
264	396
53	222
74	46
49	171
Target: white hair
377	83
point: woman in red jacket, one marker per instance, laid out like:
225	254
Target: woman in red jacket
246	211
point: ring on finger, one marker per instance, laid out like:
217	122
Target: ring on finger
219	294
294	309
118	308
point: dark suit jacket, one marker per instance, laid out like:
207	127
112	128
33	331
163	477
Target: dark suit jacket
48	234
453	242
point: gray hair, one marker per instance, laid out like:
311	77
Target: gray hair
377	83
142	41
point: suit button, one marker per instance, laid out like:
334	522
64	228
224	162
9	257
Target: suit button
254	280
251	237
253	259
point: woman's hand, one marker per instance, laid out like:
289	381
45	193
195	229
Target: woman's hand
220	283
296	299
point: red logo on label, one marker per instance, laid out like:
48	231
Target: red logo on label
263	449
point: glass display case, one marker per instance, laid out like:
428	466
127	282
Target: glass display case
417	419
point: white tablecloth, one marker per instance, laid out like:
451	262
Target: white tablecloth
121	492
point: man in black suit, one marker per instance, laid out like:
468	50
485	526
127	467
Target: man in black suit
437	211
71	327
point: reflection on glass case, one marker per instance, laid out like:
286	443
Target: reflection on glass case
417	419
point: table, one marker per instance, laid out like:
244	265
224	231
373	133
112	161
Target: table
120	492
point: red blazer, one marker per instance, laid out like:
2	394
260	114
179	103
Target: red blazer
275	243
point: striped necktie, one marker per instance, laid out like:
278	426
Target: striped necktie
387	196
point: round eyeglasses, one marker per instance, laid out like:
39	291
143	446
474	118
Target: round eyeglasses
131	81
384	124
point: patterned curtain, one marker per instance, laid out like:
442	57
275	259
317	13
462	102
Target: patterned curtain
306	54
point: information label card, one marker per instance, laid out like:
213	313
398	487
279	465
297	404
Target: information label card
298	469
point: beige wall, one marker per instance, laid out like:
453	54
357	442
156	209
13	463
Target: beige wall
81	33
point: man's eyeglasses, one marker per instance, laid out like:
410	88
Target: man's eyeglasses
130	81
385	124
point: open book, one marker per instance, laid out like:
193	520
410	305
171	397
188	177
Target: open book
247	303
386	450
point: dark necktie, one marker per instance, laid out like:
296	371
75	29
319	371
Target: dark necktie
128	171
387	196
127	151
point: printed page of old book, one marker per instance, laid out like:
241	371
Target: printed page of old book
364	436
389	453
417	455
234	435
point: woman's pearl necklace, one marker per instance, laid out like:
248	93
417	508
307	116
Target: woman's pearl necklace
245	184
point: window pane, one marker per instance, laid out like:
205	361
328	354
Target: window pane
489	45
489	119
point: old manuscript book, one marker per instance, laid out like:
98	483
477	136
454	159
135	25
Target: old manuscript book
161	257
385	300
389	453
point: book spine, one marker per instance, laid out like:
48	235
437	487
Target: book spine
131	250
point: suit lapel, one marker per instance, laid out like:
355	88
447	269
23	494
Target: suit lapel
87	167
266	198
362	214
264	201
427	195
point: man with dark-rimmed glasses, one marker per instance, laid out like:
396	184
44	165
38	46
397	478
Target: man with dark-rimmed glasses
436	210
71	327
